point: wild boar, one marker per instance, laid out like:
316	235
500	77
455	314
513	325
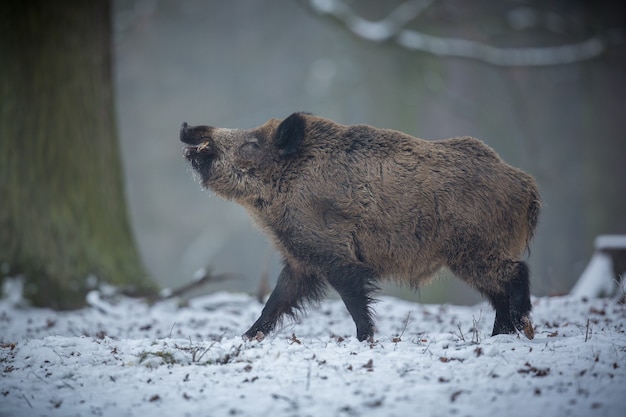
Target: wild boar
350	206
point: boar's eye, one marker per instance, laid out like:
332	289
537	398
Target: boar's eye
249	150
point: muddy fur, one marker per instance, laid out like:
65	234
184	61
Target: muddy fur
348	206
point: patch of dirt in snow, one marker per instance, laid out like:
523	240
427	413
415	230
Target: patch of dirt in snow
124	358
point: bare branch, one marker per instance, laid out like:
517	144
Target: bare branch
392	27
202	278
506	57
372	31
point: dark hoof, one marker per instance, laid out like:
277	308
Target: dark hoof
524	325
253	335
365	335
503	327
502	331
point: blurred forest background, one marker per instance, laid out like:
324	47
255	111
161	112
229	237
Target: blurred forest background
557	113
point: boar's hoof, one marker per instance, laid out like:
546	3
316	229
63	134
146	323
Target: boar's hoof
503	327
363	335
527	327
523	325
258	336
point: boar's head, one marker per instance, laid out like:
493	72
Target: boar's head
239	164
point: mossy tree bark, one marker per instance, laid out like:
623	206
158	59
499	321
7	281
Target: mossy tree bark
63	212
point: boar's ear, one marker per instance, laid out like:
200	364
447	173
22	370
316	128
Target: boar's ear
289	134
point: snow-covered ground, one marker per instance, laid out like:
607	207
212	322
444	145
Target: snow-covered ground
125	358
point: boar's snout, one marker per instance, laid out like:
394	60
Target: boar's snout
199	139
195	135
201	149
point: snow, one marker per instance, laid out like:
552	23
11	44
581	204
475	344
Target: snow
121	357
598	278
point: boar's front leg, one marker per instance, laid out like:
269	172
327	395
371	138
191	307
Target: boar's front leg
354	283
294	286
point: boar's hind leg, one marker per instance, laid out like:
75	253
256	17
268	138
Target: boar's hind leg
354	284
512	304
507	286
519	296
292	289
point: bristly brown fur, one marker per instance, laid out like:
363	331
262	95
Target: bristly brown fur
351	205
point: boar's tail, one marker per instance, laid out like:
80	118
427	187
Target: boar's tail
533	217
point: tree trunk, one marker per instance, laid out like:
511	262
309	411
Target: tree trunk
63	215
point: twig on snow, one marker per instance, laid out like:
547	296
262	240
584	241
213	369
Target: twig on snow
203	277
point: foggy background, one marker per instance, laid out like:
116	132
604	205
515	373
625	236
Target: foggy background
238	63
